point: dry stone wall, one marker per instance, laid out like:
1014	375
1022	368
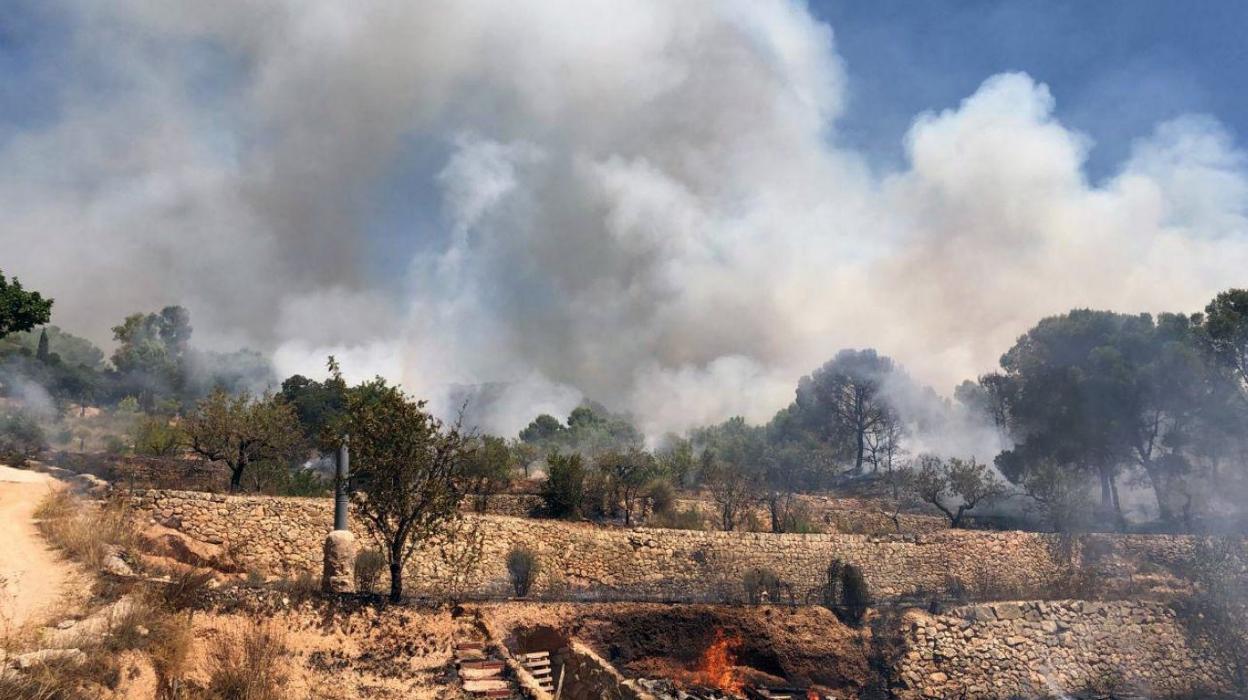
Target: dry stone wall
581	561
1055	649
849	516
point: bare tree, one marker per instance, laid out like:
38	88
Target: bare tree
732	488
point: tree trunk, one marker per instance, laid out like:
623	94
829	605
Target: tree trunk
1107	499
1113	489
858	459
1164	511
236	479
396	582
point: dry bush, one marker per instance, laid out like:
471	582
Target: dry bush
303	586
57	680
187	590
247	664
688	519
369	564
84	531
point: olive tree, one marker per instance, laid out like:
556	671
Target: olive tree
240	430
409	470
954	486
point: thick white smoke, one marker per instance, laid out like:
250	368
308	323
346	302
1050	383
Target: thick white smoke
643	202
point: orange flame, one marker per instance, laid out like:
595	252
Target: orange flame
718	666
811	694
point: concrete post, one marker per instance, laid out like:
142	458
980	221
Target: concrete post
340	549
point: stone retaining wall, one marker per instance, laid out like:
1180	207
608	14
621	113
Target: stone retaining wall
1047	649
583	561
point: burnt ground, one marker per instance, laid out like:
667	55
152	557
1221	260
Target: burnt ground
773	645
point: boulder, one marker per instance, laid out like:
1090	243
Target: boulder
339	572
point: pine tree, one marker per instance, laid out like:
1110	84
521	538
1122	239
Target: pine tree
41	353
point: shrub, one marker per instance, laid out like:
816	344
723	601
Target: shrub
661	496
369	565
155	437
21	438
855	597
564	488
522	568
114	445
247	664
187	590
688	519
845	592
762	586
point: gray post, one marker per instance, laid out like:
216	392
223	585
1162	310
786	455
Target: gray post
339	572
342	472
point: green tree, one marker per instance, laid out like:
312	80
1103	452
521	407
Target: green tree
844	400
409	469
151	355
564	488
239	430
41	352
629	474
955	486
1225	332
488	470
319	405
21	310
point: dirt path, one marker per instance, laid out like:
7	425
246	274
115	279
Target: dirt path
34	576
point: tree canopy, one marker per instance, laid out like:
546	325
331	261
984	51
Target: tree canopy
20	309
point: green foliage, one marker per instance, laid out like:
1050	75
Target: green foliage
157	437
21	310
240	430
409	470
114	445
591	429
277	478
564	488
842	402
21	437
488	470
954	486
319	405
72	350
522	568
151	355
625	476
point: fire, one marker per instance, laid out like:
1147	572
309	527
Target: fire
718	666
811	694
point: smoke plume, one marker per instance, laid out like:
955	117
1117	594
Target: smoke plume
646	203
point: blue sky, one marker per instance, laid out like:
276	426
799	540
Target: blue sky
1115	67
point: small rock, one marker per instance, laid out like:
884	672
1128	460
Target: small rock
44	656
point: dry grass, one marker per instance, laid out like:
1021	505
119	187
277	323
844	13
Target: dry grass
248	664
85	532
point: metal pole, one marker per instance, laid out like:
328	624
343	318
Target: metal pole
342	472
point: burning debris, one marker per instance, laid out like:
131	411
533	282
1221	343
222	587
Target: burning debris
718	676
718	666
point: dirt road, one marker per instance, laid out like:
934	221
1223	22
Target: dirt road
33	575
